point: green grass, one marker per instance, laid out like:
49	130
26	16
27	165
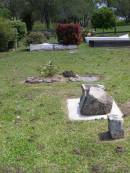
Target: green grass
119	29
43	139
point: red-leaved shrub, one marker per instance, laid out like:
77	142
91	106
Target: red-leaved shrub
68	34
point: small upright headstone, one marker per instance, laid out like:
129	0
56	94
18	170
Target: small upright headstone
115	126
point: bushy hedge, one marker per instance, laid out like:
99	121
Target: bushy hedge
68	34
7	35
35	38
20	28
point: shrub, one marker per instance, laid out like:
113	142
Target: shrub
68	34
48	70
103	18
35	38
20	27
7	35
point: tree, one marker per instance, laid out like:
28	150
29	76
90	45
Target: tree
48	11
109	3
44	10
103	18
4	12
7	34
123	9
14	7
71	11
90	7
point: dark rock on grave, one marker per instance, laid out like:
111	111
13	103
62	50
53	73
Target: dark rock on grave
119	149
69	74
95	101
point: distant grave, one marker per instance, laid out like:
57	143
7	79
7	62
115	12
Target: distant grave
51	47
121	41
66	76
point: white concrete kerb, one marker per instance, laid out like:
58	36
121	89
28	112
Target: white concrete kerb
74	111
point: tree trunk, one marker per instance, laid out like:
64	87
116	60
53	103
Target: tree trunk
103	31
115	29
29	22
47	21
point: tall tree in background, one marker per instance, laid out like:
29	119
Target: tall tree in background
103	18
44	10
14	6
123	9
47	11
109	3
89	10
75	10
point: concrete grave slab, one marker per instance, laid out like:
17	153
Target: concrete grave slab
74	111
121	38
51	47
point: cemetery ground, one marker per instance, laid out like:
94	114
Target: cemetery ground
35	132
122	29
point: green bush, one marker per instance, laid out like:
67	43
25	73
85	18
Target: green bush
20	28
7	35
35	38
48	70
103	18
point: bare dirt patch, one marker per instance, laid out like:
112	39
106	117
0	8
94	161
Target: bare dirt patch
120	149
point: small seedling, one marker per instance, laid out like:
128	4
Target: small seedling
48	70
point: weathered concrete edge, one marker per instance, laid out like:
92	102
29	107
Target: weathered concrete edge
74	113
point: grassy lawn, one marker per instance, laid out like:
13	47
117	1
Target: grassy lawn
119	29
43	140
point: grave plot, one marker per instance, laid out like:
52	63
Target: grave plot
94	104
108	41
51	47
66	76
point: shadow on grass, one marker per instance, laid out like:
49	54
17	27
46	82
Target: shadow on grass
24	50
105	136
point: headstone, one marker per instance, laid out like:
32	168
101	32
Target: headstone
115	126
95	101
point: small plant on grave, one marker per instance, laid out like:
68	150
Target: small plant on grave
48	70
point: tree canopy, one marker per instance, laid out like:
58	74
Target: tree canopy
103	18
47	11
